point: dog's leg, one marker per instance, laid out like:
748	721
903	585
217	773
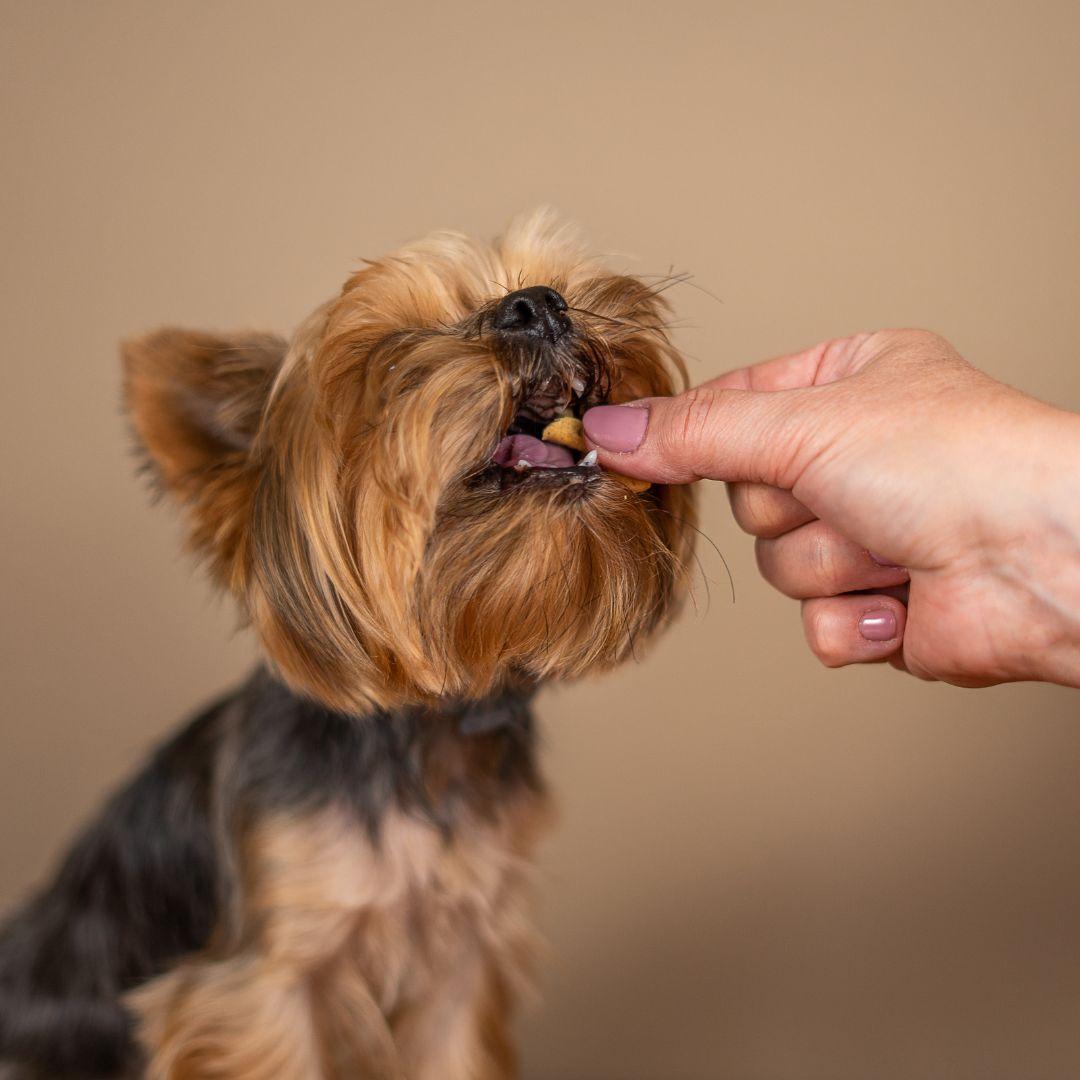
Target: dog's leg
241	1018
461	1031
251	1008
460	1026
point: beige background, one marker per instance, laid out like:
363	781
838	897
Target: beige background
764	869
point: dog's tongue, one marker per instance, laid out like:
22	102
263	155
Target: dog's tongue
515	448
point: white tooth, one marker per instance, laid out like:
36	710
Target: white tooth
579	386
588	459
523	464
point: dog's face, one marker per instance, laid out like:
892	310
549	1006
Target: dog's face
376	494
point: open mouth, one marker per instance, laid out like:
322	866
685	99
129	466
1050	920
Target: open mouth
524	456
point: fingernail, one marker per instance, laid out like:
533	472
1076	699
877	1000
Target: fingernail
619	428
878	625
881	561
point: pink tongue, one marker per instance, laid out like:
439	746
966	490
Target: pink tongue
542	455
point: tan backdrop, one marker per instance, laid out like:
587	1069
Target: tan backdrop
764	869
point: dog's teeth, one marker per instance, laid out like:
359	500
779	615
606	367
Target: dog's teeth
588	459
523	464
579	386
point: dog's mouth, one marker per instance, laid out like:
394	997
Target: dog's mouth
524	456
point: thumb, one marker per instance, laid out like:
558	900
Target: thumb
707	432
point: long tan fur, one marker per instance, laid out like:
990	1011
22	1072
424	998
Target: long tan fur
357	959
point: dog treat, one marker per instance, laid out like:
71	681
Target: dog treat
631	483
567	431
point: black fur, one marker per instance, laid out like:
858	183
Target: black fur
147	883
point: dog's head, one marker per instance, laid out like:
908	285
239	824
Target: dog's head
375	492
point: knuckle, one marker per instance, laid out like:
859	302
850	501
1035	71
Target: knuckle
694	419
738	498
752	508
766	511
818	627
824	561
764	551
928	339
929	346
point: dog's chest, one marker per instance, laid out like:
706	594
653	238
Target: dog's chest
401	910
368	952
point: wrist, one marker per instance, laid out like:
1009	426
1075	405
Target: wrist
1038	557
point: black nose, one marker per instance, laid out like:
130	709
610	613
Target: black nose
539	312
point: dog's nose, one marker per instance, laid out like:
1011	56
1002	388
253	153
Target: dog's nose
538	311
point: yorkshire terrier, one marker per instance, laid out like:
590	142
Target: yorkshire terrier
327	873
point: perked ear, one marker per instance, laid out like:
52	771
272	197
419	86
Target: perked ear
195	401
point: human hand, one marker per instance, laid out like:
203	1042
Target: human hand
966	491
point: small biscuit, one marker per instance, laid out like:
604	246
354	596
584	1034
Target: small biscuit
567	431
632	483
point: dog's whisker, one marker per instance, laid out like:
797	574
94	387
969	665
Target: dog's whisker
687	279
705	536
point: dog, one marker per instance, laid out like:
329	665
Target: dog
328	872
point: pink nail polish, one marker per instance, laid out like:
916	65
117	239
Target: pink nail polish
619	428
878	625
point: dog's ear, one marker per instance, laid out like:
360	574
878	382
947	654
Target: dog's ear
195	401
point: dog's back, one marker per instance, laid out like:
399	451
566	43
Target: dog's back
137	890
